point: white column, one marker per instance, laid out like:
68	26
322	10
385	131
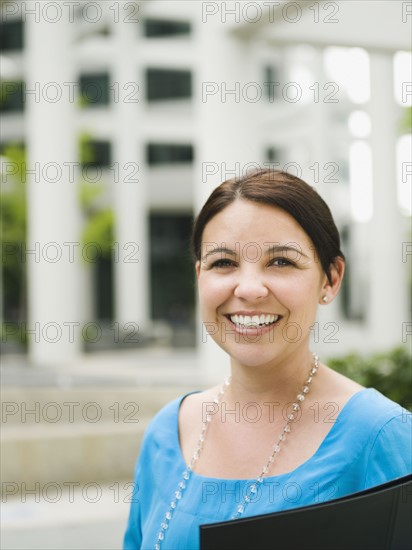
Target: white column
52	199
131	215
227	135
388	278
321	139
319	133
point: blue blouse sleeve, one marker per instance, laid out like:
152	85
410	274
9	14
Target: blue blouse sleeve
141	506
133	535
391	452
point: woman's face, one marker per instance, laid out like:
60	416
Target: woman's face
260	283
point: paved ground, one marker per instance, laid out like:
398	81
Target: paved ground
97	536
78	518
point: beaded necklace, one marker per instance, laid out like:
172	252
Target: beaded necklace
253	489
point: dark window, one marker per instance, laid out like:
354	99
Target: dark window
272	154
5	146
11	35
345	288
165	27
167	153
95	153
171	269
352	308
164	84
11	97
271	83
104	289
94	89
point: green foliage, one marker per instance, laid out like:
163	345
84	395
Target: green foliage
85	149
406	122
13	230
13	196
390	373
99	222
99	230
88	195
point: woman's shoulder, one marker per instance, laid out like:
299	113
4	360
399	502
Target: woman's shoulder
375	408
367	404
390	423
371	424
368	414
193	405
165	421
364	418
389	448
371	436
168	413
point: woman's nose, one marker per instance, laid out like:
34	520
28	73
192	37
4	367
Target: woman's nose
250	287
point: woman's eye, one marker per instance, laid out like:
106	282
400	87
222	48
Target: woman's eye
281	262
222	264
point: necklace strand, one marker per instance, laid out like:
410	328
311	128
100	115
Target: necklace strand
254	487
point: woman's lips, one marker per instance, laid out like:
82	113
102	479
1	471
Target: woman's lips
250	327
253	320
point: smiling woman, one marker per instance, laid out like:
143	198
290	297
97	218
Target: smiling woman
285	430
281	277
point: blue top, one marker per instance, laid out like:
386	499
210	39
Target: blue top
369	443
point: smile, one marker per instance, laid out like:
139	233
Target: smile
253	321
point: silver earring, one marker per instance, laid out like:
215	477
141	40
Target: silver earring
325	299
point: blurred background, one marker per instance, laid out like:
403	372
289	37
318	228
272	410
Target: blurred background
117	121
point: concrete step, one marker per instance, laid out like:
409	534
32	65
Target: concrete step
28	406
40	455
96	440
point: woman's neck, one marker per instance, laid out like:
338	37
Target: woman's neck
279	381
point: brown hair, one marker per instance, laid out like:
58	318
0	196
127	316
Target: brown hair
282	190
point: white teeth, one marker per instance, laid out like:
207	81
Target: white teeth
253	321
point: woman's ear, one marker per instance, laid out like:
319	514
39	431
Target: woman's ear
197	267
330	288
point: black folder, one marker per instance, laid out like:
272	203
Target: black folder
379	518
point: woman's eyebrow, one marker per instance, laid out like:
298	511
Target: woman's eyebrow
220	249
271	251
275	249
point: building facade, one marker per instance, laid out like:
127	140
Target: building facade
132	112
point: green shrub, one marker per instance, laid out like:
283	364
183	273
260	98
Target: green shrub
390	373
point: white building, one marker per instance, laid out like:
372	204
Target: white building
177	97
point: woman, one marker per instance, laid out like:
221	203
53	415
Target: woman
285	430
